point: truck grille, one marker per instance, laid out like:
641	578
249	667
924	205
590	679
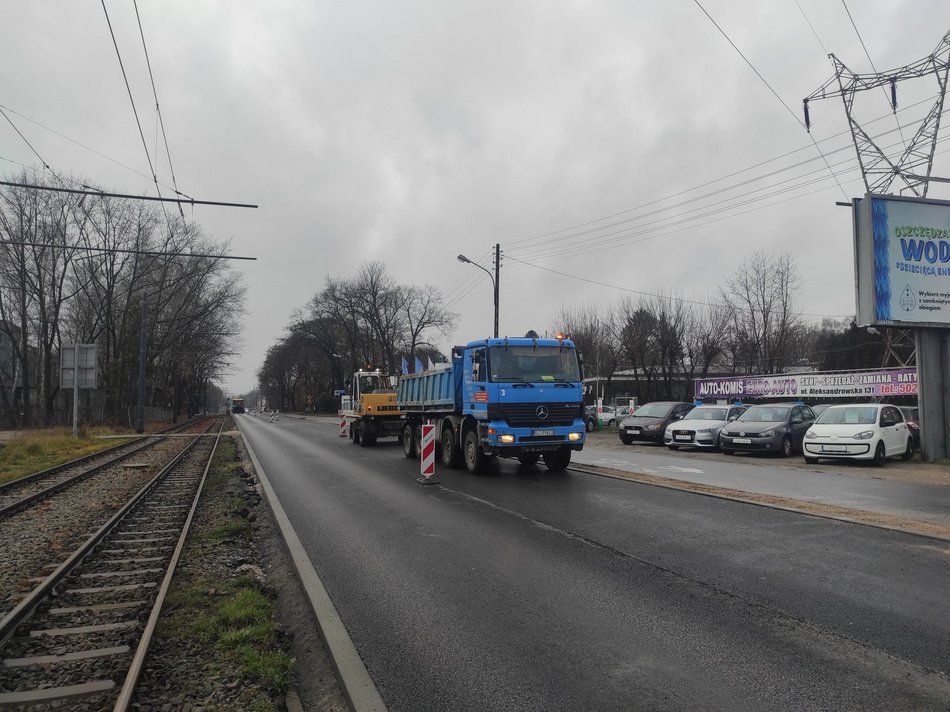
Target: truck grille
526	414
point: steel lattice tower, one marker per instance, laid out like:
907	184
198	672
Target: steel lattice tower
914	166
880	172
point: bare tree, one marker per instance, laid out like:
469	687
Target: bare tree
763	322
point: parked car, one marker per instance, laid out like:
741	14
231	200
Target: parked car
863	431
700	427
820	408
778	428
912	418
648	422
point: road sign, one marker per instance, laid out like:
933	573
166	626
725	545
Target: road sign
79	358
427	455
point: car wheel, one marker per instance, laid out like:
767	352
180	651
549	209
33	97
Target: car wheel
728	452
811	460
880	455
673	447
475	459
408	441
787	447
529	459
626	441
909	450
589	427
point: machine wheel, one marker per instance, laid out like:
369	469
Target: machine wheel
475	459
451	456
529	459
355	433
811	460
408	440
909	450
880	455
557	460
786	447
367	434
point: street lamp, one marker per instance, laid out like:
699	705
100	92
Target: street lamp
494	281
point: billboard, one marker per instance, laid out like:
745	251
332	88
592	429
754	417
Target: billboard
902	261
876	383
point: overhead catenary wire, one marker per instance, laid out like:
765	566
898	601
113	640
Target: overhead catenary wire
158	109
135	112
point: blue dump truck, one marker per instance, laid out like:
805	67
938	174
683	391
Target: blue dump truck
506	397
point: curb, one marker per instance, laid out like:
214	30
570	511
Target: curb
357	684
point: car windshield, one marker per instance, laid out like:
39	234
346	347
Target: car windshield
849	415
765	414
530	364
707	414
653	410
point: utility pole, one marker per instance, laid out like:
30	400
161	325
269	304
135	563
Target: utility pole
497	268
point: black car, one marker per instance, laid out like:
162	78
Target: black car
778	428
648	422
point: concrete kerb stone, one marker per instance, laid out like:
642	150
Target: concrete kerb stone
357	684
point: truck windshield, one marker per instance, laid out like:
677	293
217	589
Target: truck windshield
528	364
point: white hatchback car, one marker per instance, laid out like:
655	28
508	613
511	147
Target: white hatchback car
861	431
700	427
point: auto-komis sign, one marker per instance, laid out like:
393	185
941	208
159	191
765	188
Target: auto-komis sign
838	384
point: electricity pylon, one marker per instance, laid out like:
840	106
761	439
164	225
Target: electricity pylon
914	166
879	171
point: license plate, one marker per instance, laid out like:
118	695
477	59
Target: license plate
543	433
834	448
633	431
683	437
742	441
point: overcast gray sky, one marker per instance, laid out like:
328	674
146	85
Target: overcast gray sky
409	132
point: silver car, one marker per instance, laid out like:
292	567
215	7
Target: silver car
700	428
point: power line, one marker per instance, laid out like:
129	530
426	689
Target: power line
775	93
868	55
820	43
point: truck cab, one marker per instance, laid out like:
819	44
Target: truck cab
521	398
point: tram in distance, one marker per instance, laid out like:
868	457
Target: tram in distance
237	405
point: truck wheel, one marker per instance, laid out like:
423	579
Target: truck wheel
475	459
451	456
530	459
558	460
367	434
408	440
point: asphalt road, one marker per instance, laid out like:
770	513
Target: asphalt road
524	590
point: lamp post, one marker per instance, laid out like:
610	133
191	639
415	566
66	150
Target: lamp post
494	279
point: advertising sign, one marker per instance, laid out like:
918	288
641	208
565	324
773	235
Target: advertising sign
902	261
877	383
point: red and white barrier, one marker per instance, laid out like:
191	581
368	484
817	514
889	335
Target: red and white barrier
342	425
427	455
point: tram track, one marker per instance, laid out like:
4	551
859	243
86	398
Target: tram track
78	640
21	493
